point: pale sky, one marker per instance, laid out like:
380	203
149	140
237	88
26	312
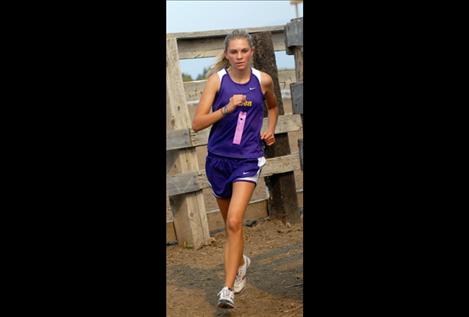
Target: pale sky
193	16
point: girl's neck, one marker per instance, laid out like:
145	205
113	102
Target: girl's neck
240	76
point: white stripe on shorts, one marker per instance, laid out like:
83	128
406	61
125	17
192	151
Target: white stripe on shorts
213	193
260	162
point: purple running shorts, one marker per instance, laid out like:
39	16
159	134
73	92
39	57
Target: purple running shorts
222	172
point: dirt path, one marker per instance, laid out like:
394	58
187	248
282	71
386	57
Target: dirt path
274	281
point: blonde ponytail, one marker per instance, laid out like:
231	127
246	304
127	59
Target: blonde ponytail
221	61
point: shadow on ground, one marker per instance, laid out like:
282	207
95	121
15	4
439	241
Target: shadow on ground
277	272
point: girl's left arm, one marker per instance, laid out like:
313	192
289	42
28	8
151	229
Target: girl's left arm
272	110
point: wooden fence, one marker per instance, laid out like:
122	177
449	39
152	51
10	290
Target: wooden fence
192	213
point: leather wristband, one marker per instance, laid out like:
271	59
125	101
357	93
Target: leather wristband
224	110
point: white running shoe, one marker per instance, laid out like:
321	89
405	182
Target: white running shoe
226	298
240	280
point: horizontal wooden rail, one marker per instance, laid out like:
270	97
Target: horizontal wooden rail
210	43
186	138
192	181
223	33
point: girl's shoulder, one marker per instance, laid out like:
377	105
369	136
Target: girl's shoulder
264	78
213	82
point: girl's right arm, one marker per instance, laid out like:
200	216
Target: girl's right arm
203	118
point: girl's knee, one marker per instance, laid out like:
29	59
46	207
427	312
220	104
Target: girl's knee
234	224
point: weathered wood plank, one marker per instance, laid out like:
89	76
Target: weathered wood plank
222	33
295	46
183	183
285	78
285	123
194	181
297	97
178	139
190	218
300	147
293	34
201	137
169	214
170	233
194	89
175	185
210	45
182	139
281	164
298	63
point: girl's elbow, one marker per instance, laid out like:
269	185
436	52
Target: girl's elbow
273	108
195	126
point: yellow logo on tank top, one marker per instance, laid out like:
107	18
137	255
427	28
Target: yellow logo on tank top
247	103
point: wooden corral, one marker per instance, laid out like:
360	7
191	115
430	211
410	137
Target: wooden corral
192	212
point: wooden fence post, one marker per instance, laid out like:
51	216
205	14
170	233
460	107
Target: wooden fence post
294	46
190	218
283	200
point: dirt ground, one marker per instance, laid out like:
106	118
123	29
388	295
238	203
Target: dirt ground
274	281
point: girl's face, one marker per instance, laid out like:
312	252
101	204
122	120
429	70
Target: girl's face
239	53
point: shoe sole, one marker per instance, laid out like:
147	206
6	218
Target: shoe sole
225	304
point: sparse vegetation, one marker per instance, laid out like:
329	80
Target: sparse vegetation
204	74
186	77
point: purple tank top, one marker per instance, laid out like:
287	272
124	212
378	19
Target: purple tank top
237	134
